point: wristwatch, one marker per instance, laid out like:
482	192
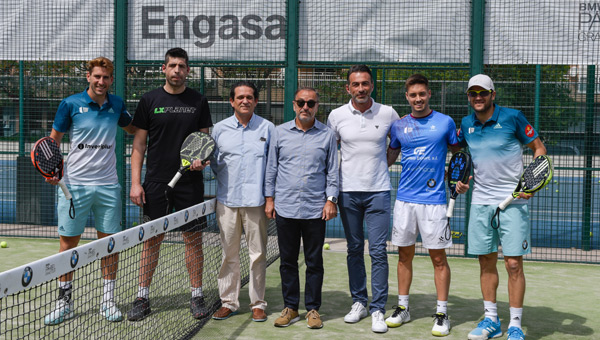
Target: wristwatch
333	199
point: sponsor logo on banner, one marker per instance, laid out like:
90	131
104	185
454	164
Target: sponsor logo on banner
175	220
589	21
166	224
111	245
186	216
125	240
90	253
27	276
74	259
203	209
49	268
141	234
529	130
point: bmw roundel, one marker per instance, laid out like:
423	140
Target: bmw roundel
431	183
186	216
203	209
27	276
111	245
141	234
74	258
166	224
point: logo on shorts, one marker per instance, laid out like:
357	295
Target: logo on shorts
186	216
74	258
141	234
166	224
27	276
525	244
111	245
61	228
431	183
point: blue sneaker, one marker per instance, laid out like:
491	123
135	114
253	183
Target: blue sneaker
486	329
515	333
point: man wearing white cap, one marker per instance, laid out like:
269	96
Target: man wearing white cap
495	136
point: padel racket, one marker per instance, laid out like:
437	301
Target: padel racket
198	145
48	160
535	177
459	169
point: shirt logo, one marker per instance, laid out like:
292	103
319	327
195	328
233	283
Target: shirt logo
420	150
498	126
408	130
529	130
432	128
377	126
263	139
159	110
471	129
83	109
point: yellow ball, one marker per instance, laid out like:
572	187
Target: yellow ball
3	244
326	246
134	224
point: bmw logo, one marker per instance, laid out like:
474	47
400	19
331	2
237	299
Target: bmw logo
203	209
431	183
74	258
166	224
525	244
141	234
186	216
27	276
111	245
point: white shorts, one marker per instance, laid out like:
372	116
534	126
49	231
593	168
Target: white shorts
429	220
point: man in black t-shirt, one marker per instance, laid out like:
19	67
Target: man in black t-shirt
164	118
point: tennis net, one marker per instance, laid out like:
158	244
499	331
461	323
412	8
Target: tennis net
28	293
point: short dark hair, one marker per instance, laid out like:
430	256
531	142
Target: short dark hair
177	52
243	83
416	79
359	68
306	88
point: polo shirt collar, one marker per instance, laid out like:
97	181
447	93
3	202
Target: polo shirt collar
89	100
236	122
355	111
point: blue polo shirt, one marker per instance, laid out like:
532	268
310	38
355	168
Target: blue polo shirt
302	170
496	148
424	144
92	130
240	160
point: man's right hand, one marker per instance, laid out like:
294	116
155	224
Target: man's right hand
54	180
137	195
269	207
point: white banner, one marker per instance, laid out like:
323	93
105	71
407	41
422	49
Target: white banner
438	31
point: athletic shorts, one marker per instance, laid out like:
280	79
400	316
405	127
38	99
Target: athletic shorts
103	200
514	232
429	220
184	195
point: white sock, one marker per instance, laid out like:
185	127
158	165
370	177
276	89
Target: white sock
403	300
442	307
196	292
143	292
491	310
516	314
65	285
109	290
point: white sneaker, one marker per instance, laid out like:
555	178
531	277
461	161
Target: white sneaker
110	311
378	325
357	312
441	325
401	315
62	311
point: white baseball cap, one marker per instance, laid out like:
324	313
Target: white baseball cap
481	80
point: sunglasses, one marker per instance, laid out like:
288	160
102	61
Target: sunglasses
300	102
482	93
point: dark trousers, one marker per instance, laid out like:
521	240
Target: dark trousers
312	233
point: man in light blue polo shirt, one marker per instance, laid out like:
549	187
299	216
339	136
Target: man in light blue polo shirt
495	136
91	118
301	189
242	143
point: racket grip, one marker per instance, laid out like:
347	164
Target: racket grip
175	179
450	210
506	202
65	190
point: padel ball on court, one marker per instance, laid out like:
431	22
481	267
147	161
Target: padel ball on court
3	244
326	246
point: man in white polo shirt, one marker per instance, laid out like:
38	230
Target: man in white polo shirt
362	127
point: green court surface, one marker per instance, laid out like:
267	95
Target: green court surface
560	302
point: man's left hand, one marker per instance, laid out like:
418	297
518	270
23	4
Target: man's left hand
329	211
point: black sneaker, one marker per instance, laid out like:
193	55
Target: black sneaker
139	310
198	308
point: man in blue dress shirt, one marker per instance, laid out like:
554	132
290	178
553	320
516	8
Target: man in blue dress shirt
301	189
239	165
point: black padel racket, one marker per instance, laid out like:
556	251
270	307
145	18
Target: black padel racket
198	145
535	177
459	169
48	160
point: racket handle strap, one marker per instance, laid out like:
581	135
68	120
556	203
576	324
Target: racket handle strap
450	211
506	202
65	190
175	179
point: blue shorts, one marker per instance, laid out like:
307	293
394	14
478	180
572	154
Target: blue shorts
103	200
514	233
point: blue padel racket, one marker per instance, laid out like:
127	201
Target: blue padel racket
459	169
535	177
48	160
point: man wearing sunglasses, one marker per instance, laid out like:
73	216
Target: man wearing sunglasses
495	136
301	188
362	127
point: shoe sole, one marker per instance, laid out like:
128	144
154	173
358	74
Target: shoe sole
294	320
315	327
225	317
139	318
395	325
354	321
481	337
439	333
103	313
259	320
60	320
